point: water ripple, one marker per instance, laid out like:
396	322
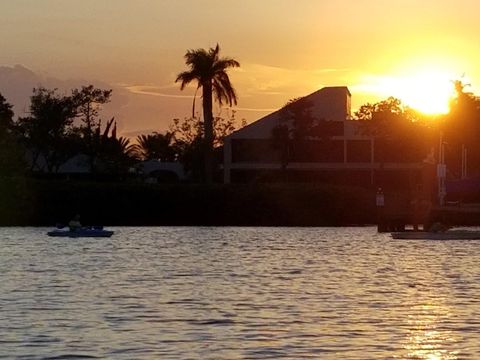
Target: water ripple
237	293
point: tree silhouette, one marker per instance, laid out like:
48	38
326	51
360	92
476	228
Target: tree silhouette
462	126
209	71
48	132
114	154
156	146
298	133
88	101
11	154
188	140
399	134
464	116
384	118
6	115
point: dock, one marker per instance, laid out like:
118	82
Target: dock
398	217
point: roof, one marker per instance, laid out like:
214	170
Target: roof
329	103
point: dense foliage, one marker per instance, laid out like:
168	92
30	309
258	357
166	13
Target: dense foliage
461	129
397	129
12	159
61	127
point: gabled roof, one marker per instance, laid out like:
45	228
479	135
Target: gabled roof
329	103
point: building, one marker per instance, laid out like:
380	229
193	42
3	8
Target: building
348	156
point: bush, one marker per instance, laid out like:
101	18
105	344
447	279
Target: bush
46	202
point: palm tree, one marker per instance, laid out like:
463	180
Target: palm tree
210	73
156	146
115	154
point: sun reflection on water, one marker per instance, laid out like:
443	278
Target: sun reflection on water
427	338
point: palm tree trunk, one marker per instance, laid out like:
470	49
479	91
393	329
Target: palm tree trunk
208	129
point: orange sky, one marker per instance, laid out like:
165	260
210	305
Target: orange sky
407	48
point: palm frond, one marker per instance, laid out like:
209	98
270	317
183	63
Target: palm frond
185	78
224	64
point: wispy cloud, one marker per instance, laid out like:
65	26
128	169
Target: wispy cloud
155	91
259	79
269	68
152	90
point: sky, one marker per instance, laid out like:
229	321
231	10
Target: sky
378	48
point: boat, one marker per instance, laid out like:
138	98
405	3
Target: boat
446	235
84	232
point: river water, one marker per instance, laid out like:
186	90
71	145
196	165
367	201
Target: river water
237	293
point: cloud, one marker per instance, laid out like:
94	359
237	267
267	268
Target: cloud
259	79
155	91
17	84
151	90
143	108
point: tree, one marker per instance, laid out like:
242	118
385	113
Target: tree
48	131
299	134
209	71
384	118
399	134
11	154
88	101
191	128
113	154
52	135
6	115
188	140
462	127
224	126
463	121
156	146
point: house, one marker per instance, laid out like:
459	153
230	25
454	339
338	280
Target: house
348	156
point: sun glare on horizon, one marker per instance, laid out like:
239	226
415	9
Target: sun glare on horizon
427	91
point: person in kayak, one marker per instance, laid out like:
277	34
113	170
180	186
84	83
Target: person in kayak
75	224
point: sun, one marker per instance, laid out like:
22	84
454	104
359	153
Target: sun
428	91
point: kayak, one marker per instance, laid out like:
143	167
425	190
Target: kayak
80	233
447	235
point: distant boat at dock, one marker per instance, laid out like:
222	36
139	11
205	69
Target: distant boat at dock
447	235
79	233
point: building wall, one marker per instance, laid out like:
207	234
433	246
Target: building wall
254	151
359	151
345	152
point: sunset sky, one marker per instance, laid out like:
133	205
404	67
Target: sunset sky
406	48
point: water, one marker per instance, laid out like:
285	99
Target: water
237	293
